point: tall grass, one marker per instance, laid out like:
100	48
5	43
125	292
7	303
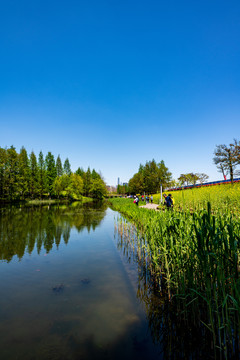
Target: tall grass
194	255
221	197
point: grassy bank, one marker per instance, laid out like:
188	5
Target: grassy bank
194	255
221	197
56	201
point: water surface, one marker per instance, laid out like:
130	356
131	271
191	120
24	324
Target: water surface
66	291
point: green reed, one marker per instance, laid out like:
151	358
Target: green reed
195	257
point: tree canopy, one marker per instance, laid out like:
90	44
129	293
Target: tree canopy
149	178
192	178
23	176
227	157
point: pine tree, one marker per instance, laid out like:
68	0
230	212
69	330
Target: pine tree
59	167
51	172
3	161
12	170
41	175
87	182
24	173
34	176
67	167
95	175
80	172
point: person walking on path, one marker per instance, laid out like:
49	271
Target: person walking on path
136	200
169	201
151	198
165	196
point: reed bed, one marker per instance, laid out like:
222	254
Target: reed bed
194	256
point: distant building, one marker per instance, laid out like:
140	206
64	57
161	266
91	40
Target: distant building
118	181
125	184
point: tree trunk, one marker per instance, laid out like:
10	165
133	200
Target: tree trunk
231	173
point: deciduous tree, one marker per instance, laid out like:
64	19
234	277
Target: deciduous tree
227	158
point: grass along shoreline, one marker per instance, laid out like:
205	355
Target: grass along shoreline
195	257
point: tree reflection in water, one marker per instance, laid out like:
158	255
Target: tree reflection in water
43	226
175	328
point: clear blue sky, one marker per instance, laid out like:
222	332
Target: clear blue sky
112	84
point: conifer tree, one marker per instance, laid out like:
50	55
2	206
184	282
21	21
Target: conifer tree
3	161
95	175
67	167
34	176
80	172
24	173
59	167
12	169
41	175
51	172
87	182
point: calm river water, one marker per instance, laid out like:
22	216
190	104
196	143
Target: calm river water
67	289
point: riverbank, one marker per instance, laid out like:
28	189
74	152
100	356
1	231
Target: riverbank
56	201
195	257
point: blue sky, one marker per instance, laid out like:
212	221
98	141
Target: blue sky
112	84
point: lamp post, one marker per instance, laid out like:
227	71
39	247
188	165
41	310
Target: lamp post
161	192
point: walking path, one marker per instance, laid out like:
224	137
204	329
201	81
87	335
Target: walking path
150	206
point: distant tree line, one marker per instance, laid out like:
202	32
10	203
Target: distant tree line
123	189
23	176
192	178
149	178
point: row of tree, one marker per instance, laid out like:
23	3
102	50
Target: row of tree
149	178
192	178
23	176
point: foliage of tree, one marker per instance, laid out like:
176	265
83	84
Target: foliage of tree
136	184
67	167
202	177
227	157
149	178
98	189
23	173
41	175
23	176
59	167
122	189
51	172
192	178
34	176
87	182
11	174
80	172
3	162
